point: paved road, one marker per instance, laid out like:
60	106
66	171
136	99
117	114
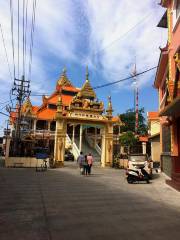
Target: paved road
60	204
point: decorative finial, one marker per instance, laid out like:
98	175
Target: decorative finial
87	73
109	108
64	71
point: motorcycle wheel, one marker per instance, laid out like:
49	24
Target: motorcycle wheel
129	180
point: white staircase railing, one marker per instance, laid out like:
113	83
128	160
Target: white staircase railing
98	149
72	146
90	142
75	150
68	141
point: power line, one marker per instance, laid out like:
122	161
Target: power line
124	79
111	83
23	60
32	37
26	30
18	38
12	37
1	103
6	52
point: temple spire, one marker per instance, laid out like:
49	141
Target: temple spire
87	74
63	80
109	108
64	71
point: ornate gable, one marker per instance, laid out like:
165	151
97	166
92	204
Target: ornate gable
27	107
64	81
87	90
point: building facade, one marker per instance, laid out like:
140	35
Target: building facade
154	136
167	82
70	118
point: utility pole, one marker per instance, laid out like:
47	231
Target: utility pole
136	98
21	90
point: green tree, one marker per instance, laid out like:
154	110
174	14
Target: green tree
128	139
129	118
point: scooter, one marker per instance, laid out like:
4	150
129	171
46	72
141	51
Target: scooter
137	175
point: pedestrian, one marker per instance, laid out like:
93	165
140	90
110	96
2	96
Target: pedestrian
90	162
80	161
86	167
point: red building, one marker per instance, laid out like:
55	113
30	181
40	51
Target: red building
167	82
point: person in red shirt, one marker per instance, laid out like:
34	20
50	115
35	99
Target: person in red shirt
90	162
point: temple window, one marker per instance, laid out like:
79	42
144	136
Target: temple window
53	126
42	125
52	106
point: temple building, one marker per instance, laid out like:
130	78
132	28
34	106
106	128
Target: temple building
70	118
167	82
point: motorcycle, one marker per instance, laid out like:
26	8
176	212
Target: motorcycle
137	175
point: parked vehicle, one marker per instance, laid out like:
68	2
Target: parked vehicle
138	161
68	156
137	175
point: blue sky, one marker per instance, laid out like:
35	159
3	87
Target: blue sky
106	35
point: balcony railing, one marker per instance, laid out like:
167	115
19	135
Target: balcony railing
43	132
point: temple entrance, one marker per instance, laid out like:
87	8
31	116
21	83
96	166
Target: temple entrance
86	138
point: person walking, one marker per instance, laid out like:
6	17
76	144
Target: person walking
90	162
86	167
81	161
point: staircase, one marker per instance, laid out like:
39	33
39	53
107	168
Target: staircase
86	149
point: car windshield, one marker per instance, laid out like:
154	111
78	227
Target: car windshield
137	158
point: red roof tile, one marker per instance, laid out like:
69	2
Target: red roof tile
143	139
153	115
66	99
46	114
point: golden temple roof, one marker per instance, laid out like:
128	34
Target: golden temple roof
87	90
63	80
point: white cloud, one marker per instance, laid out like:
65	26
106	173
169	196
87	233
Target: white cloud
111	20
61	27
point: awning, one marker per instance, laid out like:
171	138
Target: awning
154	136
173	109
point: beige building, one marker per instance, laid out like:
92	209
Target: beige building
154	135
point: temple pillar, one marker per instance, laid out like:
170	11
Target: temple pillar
73	135
144	147
60	140
80	137
34	125
49	125
8	140
107	145
95	136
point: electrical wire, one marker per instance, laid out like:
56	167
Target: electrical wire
111	83
12	37
32	37
124	79
18	39
1	103
26	30
23	63
6	52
